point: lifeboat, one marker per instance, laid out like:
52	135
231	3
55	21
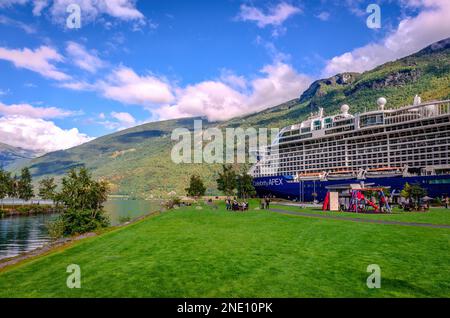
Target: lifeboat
341	175
386	172
311	176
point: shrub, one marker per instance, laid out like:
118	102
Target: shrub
124	219
83	221
56	228
172	202
437	201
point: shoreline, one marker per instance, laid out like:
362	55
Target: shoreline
30	210
66	242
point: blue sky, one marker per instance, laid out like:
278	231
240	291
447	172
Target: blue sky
138	61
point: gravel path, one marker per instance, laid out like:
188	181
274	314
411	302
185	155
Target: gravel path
364	220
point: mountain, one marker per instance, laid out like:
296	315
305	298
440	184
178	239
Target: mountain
137	161
10	155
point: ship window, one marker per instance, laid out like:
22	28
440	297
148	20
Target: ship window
317	125
306	129
371	120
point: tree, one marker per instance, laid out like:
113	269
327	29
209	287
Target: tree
417	192
24	186
47	189
5	182
227	180
83	197
413	192
405	193
13	187
80	192
196	187
244	184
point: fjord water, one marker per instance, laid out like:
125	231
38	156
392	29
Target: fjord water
20	234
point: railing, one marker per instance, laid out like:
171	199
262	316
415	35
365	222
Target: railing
422	111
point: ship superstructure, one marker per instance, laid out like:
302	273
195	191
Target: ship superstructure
409	141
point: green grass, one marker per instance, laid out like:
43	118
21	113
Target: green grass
203	253
434	216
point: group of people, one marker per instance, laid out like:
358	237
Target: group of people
234	205
265	202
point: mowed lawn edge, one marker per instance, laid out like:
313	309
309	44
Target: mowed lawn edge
213	253
72	243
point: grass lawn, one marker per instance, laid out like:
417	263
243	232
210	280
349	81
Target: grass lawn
214	253
434	216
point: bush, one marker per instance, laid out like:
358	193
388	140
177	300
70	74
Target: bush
124	219
172	202
437	202
56	228
83	221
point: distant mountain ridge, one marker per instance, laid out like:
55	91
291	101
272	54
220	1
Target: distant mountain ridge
10	155
137	161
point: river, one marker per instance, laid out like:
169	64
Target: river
20	234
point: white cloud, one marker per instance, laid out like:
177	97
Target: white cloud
124	118
18	24
125	86
124	10
228	96
39	5
40	60
34	112
276	16
8	3
77	86
38	134
218	101
324	16
413	33
233	80
88	61
92	9
117	120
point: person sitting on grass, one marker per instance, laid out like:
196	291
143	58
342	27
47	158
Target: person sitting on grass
235	205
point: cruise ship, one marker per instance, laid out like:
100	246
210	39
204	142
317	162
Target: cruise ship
383	147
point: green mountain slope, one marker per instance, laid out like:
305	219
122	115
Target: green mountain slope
137	161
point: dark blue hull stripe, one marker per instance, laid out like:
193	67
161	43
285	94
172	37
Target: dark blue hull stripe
284	187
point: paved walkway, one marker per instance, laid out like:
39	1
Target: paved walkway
364	220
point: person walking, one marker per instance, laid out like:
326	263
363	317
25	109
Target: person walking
267	202
446	201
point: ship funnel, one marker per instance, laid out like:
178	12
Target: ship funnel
381	102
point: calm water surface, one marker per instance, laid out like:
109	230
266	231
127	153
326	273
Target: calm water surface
26	233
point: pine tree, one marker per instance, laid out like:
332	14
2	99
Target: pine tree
227	180
196	187
5	183
47	189
245	188
13	187
24	185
